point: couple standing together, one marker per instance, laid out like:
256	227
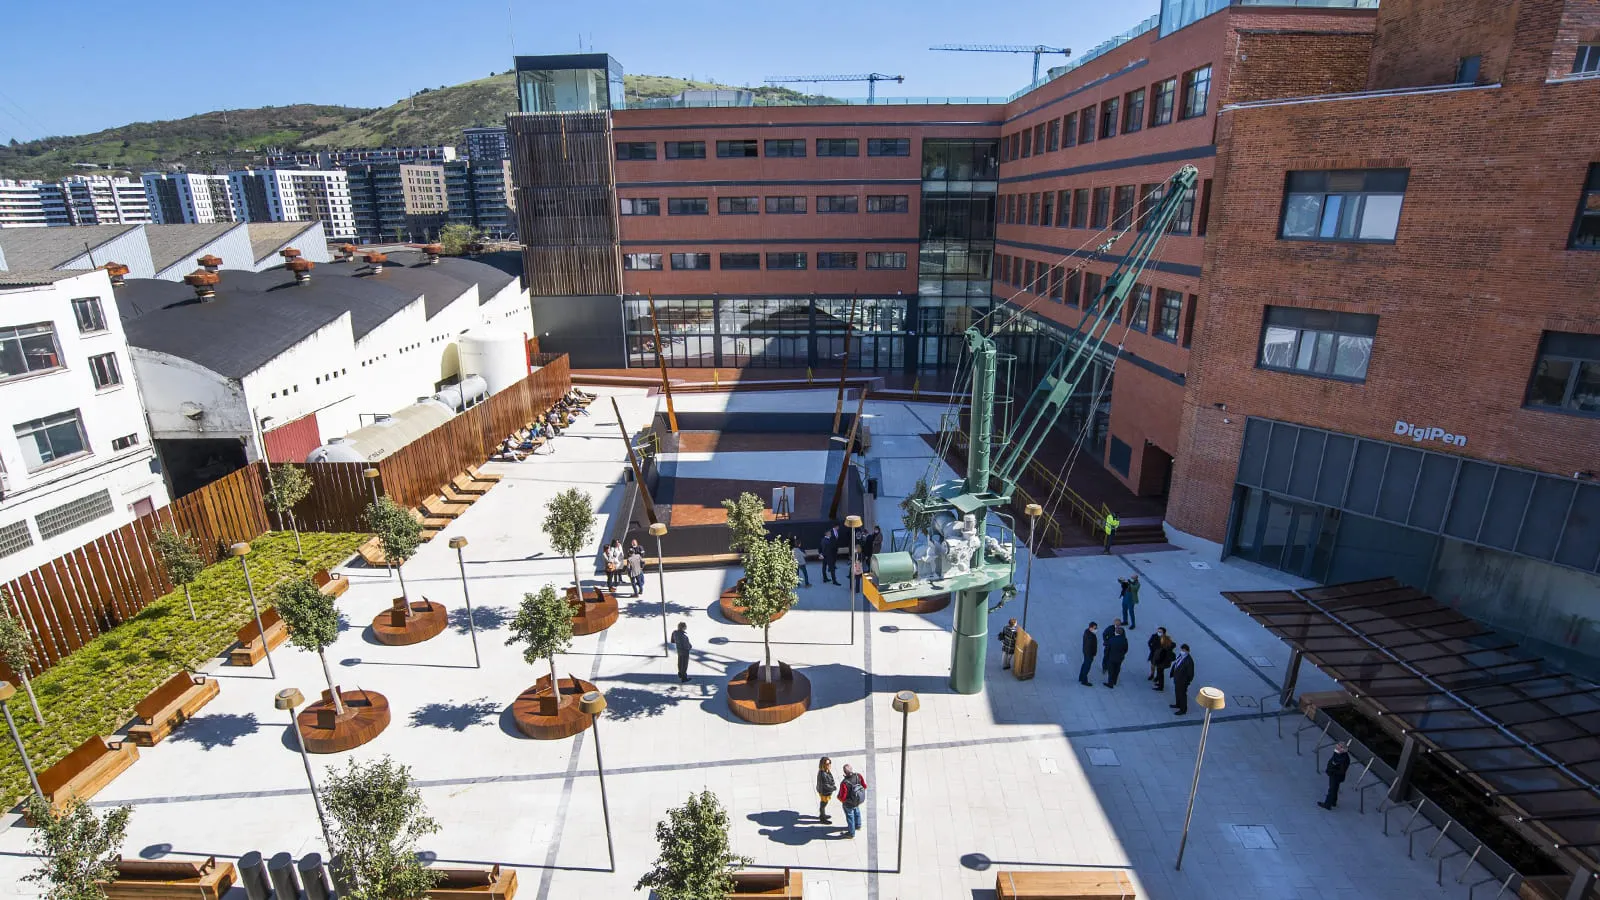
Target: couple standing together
851	792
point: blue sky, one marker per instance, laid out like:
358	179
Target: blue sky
75	66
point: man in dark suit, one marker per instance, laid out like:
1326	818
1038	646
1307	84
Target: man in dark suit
830	556
1182	677
1116	651
1091	646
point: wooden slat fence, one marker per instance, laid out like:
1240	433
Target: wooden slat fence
339	495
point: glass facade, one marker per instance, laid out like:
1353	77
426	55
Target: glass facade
771	332
579	82
955	260
1035	343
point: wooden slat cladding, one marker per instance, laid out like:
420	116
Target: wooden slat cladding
564	180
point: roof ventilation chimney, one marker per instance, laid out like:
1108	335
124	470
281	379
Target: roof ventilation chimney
347	252
118	272
210	263
376	261
301	269
203	282
289	253
433	251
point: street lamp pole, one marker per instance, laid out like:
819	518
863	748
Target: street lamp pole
852	522
370	473
905	703
1211	699
658	529
240	550
288	699
1034	511
456	543
6	693
593	703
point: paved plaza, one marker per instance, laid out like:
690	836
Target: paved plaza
1033	774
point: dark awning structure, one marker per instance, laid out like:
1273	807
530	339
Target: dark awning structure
1524	734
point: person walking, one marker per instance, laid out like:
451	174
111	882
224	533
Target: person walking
876	546
1338	767
852	793
1105	645
1130	599
830	556
1111	524
800	563
636	572
680	639
825	789
1116	652
1165	653
1182	677
613	564
1091	645
1008	643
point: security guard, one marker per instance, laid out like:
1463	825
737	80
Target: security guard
1111	528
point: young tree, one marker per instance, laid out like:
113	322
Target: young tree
398	532
543	624
287	486
313	624
747	522
76	848
377	817
695	862
16	648
913	520
457	237
181	560
770	578
568	522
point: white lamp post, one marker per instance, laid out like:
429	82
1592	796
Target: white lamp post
852	522
1210	699
288	699
905	703
658	529
240	550
456	544
1034	511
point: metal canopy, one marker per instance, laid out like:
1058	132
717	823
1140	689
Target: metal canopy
1524	734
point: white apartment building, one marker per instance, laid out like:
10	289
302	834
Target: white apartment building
188	198
104	200
31	204
76	460
295	195
328	159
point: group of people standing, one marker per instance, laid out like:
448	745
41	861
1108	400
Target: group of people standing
836	538
851	792
627	564
1164	655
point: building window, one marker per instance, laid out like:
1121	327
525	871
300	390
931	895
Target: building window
1205	207
1317	342
67	516
636	150
1183	218
1344	205
888	147
1055	283
738	206
1086	125
888	203
1140	318
1063	205
737	149
1080	208
786	149
686	149
1587	60
1196	92
1092	286
1122	209
124	442
1162	96
1069	130
104	370
1467	69
786	205
842	203
1133	111
57	437
1033	209
1029	277
1027	144
1101	214
90	316
1047	210
691	261
1052	140
687	206
1567	376
27	349
835	147
645	262
786	261
1171	314
1586	227
15	538
639	206
1038	139
1108	118
1073	286
836	260
1149	198
882	260
740	261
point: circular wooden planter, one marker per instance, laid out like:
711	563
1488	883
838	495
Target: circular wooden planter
733	611
366	715
395	628
595	613
783	699
536	714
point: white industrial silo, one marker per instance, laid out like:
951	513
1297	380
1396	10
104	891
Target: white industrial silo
500	357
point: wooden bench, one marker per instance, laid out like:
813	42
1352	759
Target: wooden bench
483	476
84	771
1104	884
466	484
786	884
171	705
330	584
251	647
436	506
475	884
162	878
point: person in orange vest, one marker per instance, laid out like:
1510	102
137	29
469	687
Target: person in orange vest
1111	524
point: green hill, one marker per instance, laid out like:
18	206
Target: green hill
430	116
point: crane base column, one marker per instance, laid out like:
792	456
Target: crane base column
969	641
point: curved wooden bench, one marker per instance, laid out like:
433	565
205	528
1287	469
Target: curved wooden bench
596	612
84	771
1064	885
474	884
251	647
403	624
151	878
366	715
170	705
786	884
330	584
783	699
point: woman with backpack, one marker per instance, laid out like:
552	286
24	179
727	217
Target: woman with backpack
825	789
852	794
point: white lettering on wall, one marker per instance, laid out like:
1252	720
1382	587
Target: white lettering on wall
1420	433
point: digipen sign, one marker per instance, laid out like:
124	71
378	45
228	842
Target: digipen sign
1420	433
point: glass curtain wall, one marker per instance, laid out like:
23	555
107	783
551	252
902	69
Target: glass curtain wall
956	256
582	82
771	332
1036	343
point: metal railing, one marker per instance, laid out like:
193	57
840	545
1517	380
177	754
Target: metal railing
1093	53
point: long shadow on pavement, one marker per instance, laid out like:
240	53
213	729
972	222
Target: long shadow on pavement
785	826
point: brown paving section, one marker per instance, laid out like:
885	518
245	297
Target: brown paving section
722	442
698	501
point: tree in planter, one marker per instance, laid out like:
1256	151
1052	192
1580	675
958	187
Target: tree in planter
770	578
543	625
695	862
398	533
181	560
16	648
747	521
77	848
456	238
313	625
568	522
287	486
377	817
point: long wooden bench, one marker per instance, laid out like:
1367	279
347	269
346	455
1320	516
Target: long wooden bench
475	884
84	771
787	884
144	879
251	647
330	584
1104	884
170	705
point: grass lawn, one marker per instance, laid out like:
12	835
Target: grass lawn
94	690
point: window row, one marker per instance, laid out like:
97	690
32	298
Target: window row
778	261
749	206
31	349
772	148
1105	207
1156	311
1173	99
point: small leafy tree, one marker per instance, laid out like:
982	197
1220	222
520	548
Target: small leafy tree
695	862
456	238
568	522
770	578
377	818
287	486
398	532
181	560
747	522
77	848
16	648
913	520
313	624
543	625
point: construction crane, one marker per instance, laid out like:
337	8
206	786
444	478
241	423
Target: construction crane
957	555
1037	50
871	79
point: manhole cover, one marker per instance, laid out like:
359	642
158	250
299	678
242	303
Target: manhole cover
1196	564
1048	766
1103	756
1248	702
1261	661
1255	837
1058	658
